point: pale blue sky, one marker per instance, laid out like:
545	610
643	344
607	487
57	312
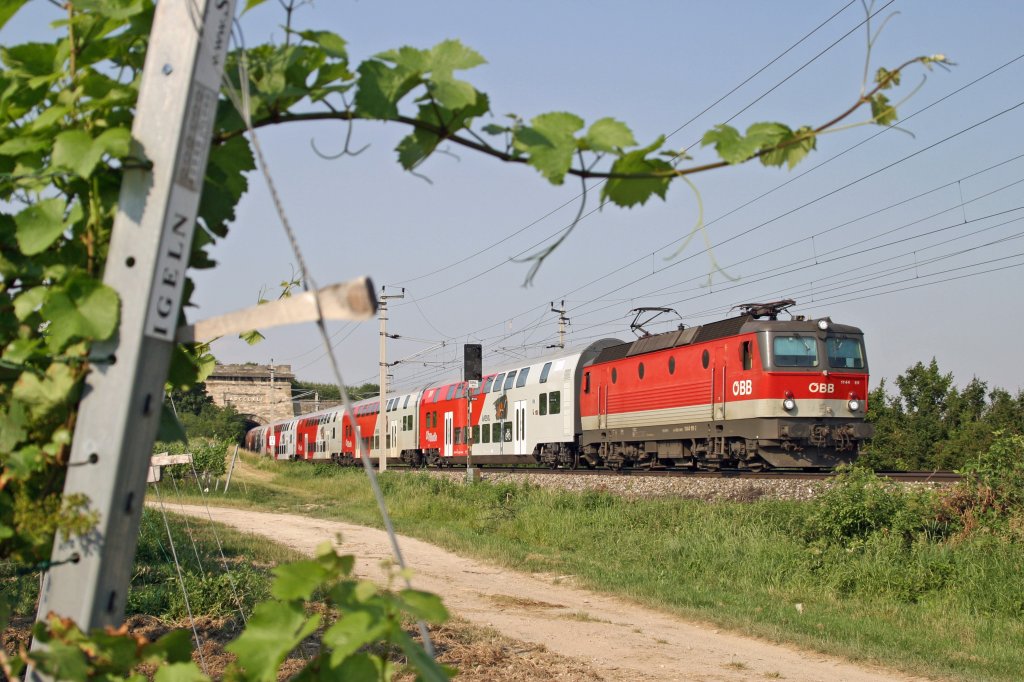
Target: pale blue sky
656	65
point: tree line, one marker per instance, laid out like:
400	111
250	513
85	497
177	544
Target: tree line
923	421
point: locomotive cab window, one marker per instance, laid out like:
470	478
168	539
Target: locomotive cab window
844	352
795	351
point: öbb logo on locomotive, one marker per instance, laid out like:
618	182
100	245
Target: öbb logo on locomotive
750	391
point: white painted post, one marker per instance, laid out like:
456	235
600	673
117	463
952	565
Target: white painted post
149	249
234	457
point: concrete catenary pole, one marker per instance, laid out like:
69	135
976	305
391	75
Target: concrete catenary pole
382	418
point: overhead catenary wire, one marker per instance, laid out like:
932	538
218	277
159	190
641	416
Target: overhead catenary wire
973	82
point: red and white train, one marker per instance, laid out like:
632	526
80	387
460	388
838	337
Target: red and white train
750	391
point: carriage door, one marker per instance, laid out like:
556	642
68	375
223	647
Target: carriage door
449	433
394	438
519	429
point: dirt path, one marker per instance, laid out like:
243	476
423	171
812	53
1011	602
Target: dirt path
622	641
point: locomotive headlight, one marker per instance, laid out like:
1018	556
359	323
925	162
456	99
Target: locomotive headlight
823	325
854	403
789	404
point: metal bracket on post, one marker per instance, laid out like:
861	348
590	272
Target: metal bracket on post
150	244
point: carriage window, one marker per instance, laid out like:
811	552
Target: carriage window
451	392
486	433
844	353
437	395
745	355
544	372
554	402
521	381
543	404
795	351
496	432
508	432
476	433
509	380
406	405
487	385
497	381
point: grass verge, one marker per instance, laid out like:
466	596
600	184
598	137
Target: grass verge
925	606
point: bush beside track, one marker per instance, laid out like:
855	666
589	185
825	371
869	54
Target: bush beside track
918	577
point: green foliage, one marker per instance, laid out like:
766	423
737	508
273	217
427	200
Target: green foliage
366	615
990	498
331	392
107	655
209	457
215	423
860	505
931	424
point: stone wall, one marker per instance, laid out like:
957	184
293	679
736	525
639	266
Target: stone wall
263	392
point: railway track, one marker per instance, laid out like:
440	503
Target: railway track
899	476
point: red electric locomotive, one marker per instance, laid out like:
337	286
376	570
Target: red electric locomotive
750	391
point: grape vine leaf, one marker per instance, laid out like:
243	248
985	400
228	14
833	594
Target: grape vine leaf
549	140
40	224
274	629
629	192
81	308
77	151
180	672
298	580
608	135
351	632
